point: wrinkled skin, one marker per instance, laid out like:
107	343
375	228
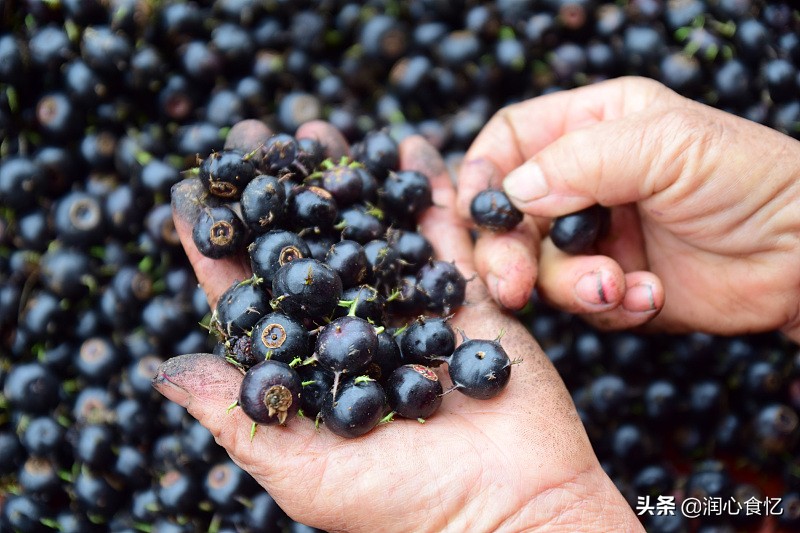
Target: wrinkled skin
705	225
519	461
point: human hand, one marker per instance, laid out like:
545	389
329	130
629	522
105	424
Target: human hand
519	461
704	210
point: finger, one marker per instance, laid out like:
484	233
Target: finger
327	135
596	286
621	161
517	132
214	275
439	224
579	284
247	135
508	263
207	386
642	302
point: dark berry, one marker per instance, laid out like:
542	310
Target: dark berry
427	341
349	260
578	232
480	368
312	208
344	183
346	345
263	203
218	232
442	286
414	391
364	302
307	288
406	194
360	223
278	153
357	407
379	153
281	338
492	210
270	251
270	392
241	306
414	249
225	174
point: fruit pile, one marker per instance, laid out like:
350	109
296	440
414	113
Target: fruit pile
338	269
104	102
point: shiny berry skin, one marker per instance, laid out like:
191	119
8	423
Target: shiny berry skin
270	393
279	337
218	232
263	203
346	345
312	207
414	391
240	307
225	174
442	286
270	251
358	407
480	368
427	341
578	232
406	194
306	288
492	210
279	152
349	260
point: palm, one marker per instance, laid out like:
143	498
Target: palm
470	456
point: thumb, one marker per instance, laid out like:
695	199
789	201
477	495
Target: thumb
205	384
615	162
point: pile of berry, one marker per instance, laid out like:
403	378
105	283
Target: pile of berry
326	323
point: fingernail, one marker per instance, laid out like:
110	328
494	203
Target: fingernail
639	299
590	289
526	183
170	390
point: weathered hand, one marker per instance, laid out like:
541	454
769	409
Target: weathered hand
704	209
519	461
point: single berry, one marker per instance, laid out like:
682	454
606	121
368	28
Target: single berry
492	210
406	194
263	203
225	174
218	232
270	392
414	391
356	409
578	232
306	288
279	337
270	251
349	260
442	286
240	307
427	341
480	368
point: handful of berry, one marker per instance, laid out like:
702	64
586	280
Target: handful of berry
345	315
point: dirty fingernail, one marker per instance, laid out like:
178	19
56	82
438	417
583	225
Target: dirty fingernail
170	390
526	183
591	290
639	299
